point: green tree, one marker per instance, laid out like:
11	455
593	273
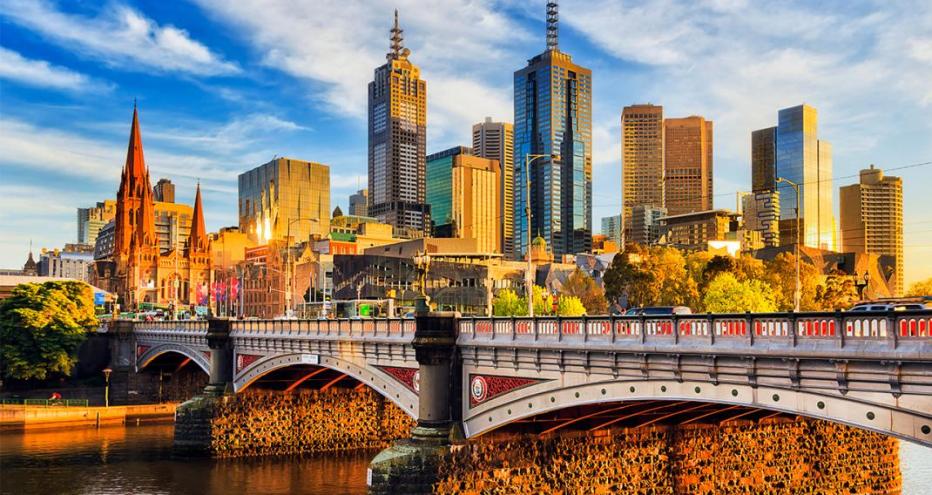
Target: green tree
838	292
543	301
654	276
570	306
507	303
780	274
920	288
580	285
726	294
42	326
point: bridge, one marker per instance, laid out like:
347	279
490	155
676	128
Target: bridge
871	370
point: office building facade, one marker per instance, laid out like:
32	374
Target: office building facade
92	220
612	229
359	203
398	142
693	231
872	218
641	158
553	117
285	197
760	212
495	141
645	224
464	193
688	159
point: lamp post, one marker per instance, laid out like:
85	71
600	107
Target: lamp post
798	293
529	278
107	372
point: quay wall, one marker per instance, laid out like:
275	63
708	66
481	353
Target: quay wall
19	417
771	457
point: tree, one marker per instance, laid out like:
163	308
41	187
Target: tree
726	294
507	303
920	288
42	326
780	274
580	285
570	306
654	276
839	292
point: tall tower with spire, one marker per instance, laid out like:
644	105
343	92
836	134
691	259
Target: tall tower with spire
553	117
398	142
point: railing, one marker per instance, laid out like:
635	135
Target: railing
375	327
788	327
45	402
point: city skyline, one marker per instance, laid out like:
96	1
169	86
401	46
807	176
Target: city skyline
46	123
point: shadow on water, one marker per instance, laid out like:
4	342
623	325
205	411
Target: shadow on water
139	460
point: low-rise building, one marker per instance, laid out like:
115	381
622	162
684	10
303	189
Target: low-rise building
74	262
692	231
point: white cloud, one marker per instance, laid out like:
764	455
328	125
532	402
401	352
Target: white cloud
39	73
119	36
460	45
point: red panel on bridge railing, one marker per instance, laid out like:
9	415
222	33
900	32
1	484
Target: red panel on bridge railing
483	326
572	327
523	327
916	327
599	328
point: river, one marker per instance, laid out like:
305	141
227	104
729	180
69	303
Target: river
138	460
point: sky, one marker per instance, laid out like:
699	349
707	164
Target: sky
223	87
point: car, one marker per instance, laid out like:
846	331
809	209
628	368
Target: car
659	311
887	306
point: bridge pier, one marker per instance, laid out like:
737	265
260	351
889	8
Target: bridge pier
412	465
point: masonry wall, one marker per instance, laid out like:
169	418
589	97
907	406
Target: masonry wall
776	456
130	387
275	423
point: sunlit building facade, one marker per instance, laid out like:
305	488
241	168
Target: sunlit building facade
687	161
495	141
398	142
641	158
553	117
285	197
464	190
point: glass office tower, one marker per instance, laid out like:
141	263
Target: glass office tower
553	117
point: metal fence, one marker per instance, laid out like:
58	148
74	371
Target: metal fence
45	402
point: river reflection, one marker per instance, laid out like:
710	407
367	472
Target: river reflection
138	460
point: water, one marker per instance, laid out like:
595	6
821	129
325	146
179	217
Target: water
138	460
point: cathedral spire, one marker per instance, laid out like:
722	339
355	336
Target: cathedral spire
135	216
397	38
553	26
197	241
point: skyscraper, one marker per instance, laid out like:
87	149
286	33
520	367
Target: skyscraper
398	142
611	228
872	218
495	141
285	197
553	117
463	191
641	158
359	203
687	156
799	156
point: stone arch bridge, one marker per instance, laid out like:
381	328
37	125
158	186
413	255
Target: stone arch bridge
474	375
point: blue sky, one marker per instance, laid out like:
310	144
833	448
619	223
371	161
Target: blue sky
225	86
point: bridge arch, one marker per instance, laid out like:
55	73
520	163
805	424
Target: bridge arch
374	378
553	396
196	356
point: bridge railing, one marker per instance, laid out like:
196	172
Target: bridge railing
386	327
790	328
175	326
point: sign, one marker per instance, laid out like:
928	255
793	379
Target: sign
310	359
98	299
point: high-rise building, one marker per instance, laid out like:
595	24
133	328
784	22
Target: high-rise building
285	197
641	158
872	218
165	191
764	160
611	228
553	118
398	142
495	141
687	156
645	224
802	158
760	212
91	220
359	203
463	191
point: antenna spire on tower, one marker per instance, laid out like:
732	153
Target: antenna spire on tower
553	25
397	39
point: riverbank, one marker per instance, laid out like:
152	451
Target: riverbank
21	418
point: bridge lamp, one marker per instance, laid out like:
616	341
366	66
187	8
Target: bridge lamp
529	277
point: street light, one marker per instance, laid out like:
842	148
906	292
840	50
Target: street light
798	293
107	372
529	279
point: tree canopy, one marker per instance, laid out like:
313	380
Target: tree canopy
42	326
580	285
508	303
570	306
650	276
726	294
921	288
